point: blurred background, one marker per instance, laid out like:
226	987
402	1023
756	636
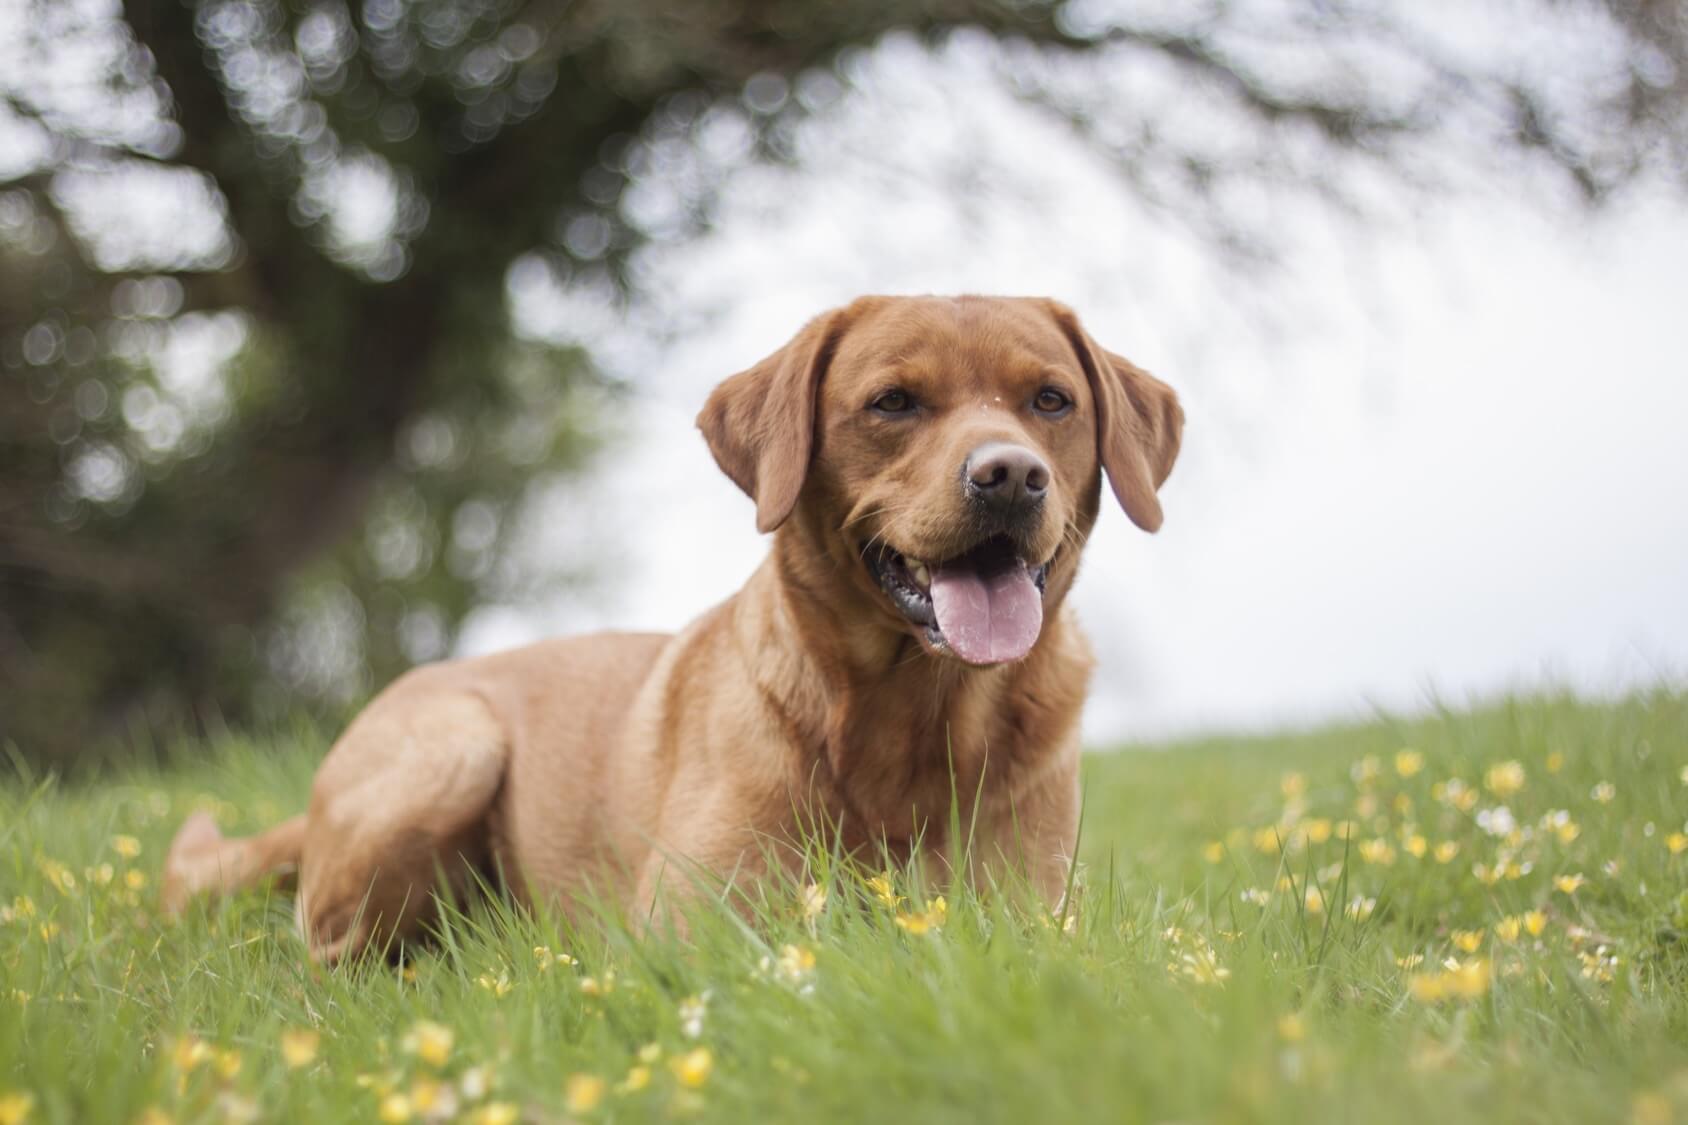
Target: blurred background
337	337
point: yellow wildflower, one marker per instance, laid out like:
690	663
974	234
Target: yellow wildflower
1361	908
1445	851
1456	981
496	1113
227	1061
57	874
650	1053
1314	900
1462	796
1201	965
433	1099
1377	850
583	1092
1677	843
795	962
1427	988
1534	922
928	921
692	1068
812	901
499	986
126	846
1508	928
1467	941
1365	806
189	1052
299	1047
1651	1108
1268	840
1504	778
1568	884
544	958
1415	845
1291	1027
1470	980
638	1077
882	890
1600	964
1410	961
1213	851
1603	792
394	1108
1317	830
431	1042
16	1107
476	1082
1408	762
135	879
152	1115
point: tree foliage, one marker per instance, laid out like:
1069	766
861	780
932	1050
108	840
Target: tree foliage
266	426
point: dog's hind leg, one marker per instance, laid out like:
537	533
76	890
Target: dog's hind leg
398	812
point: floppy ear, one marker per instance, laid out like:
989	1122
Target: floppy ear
760	424
1139	424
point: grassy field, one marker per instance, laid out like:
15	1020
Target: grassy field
1475	917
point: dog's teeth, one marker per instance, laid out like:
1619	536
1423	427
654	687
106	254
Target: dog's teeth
920	573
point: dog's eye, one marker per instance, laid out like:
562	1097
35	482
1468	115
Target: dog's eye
894	402
1051	401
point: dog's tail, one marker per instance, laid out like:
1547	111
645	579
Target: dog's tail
202	860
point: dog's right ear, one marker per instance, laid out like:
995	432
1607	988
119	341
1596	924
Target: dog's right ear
760	424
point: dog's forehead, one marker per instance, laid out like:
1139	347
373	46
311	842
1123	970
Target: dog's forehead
981	334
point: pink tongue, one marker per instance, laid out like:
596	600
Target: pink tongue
987	619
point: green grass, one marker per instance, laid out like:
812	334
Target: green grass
1173	995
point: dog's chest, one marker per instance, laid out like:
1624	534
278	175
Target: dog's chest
897	775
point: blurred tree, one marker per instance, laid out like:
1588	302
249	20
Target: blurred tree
266	426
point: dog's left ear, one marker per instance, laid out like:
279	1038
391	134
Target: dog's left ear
760	423
1139	424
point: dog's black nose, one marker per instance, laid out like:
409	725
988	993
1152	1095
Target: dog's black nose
1007	477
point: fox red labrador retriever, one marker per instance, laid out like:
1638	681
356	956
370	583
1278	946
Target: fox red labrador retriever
930	468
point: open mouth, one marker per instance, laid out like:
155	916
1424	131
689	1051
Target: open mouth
985	605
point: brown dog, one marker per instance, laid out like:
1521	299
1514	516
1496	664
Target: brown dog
931	468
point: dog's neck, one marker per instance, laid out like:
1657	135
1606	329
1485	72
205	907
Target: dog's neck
873	715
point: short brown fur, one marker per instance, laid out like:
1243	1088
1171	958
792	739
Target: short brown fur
806	698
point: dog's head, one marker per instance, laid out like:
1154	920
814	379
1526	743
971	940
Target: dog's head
947	454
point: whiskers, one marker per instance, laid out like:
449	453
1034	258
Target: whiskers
892	514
